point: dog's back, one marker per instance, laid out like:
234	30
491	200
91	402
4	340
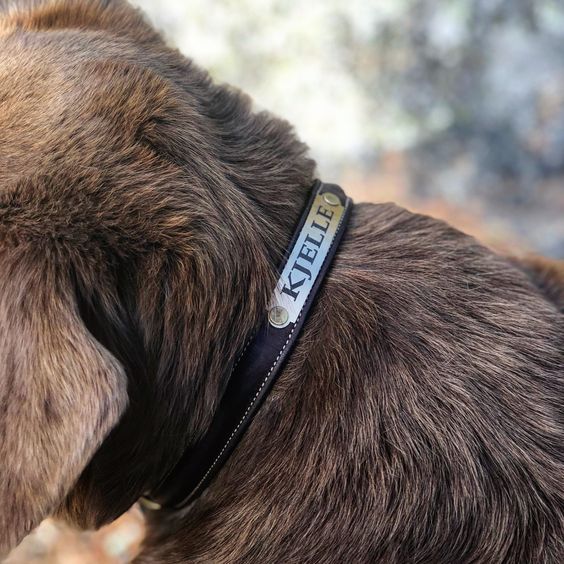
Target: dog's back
418	420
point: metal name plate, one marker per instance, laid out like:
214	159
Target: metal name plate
306	259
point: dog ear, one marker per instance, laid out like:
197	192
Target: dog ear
61	392
547	275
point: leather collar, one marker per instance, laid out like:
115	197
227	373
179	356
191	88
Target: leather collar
307	261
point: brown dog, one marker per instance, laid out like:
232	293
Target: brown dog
143	210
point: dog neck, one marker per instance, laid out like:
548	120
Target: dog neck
178	348
306	261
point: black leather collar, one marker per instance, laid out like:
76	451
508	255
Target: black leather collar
308	258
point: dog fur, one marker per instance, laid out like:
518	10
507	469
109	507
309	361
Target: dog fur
143	211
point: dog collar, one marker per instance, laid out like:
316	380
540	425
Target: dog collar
307	261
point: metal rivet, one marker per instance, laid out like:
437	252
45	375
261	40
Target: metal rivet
331	199
278	316
149	504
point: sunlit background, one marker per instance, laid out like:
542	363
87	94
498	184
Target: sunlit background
450	107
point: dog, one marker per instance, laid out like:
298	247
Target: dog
144	210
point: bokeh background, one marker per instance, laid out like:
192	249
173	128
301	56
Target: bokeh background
454	108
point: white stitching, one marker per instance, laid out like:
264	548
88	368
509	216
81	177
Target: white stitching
253	401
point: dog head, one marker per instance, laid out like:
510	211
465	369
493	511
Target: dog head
61	390
112	161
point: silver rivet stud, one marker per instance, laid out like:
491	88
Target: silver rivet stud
149	504
331	199
278	316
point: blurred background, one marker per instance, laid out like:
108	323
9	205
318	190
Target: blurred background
454	108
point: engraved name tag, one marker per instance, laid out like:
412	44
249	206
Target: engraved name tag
307	256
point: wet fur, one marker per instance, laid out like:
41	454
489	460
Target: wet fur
143	210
